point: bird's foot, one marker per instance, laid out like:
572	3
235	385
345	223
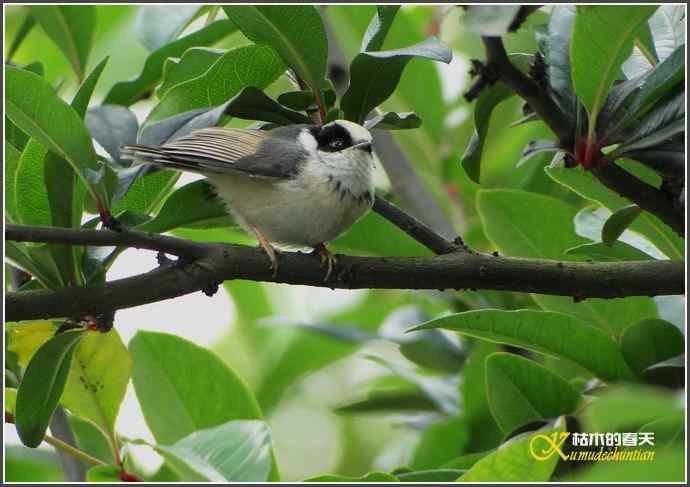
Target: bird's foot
328	260
270	250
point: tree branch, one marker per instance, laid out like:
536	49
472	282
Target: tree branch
622	182
219	262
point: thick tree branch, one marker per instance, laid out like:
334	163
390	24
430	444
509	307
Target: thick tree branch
651	199
219	262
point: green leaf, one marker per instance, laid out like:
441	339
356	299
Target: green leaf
489	20
611	411
394	121
42	385
543	332
667	467
536	147
616	252
602	40
194	204
159	25
555	45
441	442
95	387
24	338
112	126
36	260
174	379
531	225
256	66
10	400
253	104
387	400
521	391
127	92
375	75
369	477
434	475
660	81
32	104
376	33
512	462
304	100
587	186
194	62
296	32
12	156
236	451
104	473
665	121
31	466
618	222
146	192
72	28
649	342
27	24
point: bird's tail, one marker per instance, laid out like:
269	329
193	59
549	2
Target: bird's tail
160	156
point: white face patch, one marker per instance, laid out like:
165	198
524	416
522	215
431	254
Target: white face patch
307	140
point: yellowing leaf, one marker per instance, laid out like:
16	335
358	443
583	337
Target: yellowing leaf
25	338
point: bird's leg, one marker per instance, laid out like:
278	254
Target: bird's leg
268	248
327	259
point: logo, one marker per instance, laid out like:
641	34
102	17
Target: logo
593	447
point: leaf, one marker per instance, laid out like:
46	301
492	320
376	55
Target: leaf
146	192
650	342
158	133
490	20
24	29
32	104
174	379
618	222
304	100
441	442
12	156
437	389
193	203
10	400
587	186
296	32
373	38
236	451
602	40
256	66
375	75
543	332
42	385
616	252
394	121
665	121
387	400
535	147
521	391
667	467
112	126
35	260
23	339
95	387
127	92
434	475
32	465
194	62
159	25
556	47
512	462
253	104
660	81
104	473
72	28
611	411
667	27
368	477
511	220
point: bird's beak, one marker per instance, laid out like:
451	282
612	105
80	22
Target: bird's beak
365	146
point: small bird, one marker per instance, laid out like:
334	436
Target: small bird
295	186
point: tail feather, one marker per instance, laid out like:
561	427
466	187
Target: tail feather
144	154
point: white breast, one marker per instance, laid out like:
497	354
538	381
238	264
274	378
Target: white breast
323	201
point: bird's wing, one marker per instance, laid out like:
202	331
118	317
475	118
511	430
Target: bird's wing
222	150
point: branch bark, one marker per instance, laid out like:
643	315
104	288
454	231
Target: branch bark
219	262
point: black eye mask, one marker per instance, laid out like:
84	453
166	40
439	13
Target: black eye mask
332	138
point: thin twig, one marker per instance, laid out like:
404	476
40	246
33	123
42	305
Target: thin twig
75	452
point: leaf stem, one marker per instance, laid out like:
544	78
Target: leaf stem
75	452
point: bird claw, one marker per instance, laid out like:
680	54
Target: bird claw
327	259
269	249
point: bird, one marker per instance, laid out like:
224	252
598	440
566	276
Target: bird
294	186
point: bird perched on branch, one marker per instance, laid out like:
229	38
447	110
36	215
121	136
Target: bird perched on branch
296	185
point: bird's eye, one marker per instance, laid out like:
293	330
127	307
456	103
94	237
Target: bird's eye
336	144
